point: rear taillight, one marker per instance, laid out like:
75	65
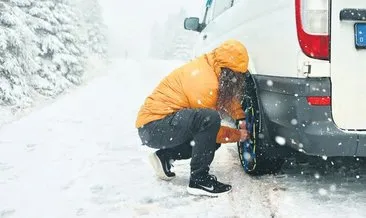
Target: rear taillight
312	22
319	100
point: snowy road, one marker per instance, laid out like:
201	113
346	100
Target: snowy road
81	157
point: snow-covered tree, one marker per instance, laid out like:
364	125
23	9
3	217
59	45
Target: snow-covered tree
59	53
16	55
69	58
93	27
43	47
157	42
172	40
182	45
47	80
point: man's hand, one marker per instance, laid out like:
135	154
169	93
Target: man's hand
242	124
243	131
243	135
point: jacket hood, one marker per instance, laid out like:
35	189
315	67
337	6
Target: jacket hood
231	54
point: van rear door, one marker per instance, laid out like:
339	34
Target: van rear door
348	63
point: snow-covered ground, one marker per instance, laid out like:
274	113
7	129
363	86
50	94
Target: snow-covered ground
81	157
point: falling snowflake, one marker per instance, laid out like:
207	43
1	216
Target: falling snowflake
294	122
280	140
333	188
171	139
247	156
301	145
269	83
324	157
358	176
199	101
195	72
261	135
211	93
317	175
322	191
207	119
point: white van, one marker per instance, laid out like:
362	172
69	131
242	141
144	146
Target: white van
307	74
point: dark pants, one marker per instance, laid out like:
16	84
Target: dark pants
189	133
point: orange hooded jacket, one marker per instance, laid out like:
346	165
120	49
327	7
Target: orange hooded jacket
196	85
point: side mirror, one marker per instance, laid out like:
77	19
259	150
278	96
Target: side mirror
192	23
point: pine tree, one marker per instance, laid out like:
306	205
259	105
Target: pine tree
42	48
93	27
157	42
171	30
182	49
16	54
58	47
179	42
69	59
47	80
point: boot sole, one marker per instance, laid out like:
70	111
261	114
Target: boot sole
201	192
156	164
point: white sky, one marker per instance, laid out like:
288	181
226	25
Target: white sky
129	22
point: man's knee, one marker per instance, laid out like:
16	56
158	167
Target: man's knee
208	117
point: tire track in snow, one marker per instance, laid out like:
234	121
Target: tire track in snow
253	196
274	194
331	191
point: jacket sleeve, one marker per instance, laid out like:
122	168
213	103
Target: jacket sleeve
236	111
227	135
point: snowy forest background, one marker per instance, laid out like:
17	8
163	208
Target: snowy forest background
47	46
171	40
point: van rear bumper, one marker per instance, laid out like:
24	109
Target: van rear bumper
305	128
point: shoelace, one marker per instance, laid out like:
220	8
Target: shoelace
213	177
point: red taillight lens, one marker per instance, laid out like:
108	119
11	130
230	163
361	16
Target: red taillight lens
319	100
312	19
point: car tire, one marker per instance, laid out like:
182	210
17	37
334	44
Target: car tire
255	156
